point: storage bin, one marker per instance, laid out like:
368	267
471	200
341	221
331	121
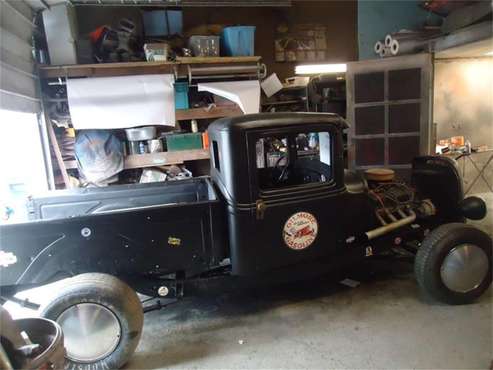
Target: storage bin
238	41
158	23
204	46
176	142
181	95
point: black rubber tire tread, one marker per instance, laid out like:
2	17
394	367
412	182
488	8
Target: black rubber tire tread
432	252
115	295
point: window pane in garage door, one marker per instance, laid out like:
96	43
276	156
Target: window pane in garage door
405	84
370	152
389	132
369	120
369	87
404	117
402	150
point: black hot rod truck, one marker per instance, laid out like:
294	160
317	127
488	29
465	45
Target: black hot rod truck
278	205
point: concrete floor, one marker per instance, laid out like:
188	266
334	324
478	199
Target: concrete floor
382	323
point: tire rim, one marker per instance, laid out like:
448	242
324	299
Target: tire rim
91	332
464	268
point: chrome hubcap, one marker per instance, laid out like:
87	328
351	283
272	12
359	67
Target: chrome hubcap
464	268
91	332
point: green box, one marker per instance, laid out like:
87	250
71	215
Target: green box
176	142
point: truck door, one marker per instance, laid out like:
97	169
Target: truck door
296	189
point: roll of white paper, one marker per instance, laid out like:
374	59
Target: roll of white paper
378	47
385	52
408	46
388	40
121	102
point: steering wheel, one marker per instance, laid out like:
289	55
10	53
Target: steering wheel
301	166
278	180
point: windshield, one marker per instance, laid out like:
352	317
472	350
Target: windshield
293	159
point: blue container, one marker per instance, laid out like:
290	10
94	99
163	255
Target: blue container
238	41
181	95
163	22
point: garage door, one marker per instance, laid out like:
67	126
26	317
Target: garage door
18	88
389	111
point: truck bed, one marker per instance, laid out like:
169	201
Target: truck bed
139	230
90	201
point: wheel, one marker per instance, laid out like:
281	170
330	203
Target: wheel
453	264
101	318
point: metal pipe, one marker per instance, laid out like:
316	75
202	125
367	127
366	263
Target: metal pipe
401	213
390	215
380	218
223	70
379	231
223	76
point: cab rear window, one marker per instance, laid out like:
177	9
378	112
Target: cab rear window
293	159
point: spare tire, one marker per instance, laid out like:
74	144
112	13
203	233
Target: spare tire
453	264
101	318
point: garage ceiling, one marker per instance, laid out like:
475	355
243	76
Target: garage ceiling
43	4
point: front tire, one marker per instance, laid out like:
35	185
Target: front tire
454	263
101	318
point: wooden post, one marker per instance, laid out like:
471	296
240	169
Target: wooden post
58	154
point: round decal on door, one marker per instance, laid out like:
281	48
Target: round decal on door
300	230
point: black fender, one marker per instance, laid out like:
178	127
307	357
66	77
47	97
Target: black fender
438	179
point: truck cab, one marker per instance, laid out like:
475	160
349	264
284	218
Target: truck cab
281	177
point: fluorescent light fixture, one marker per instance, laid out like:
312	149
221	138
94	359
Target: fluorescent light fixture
313	69
489	53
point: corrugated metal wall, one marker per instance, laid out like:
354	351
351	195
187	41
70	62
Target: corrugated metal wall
18	85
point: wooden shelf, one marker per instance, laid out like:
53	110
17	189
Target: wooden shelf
204	113
156	159
106	69
164	158
133	68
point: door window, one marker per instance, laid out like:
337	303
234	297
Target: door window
293	159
